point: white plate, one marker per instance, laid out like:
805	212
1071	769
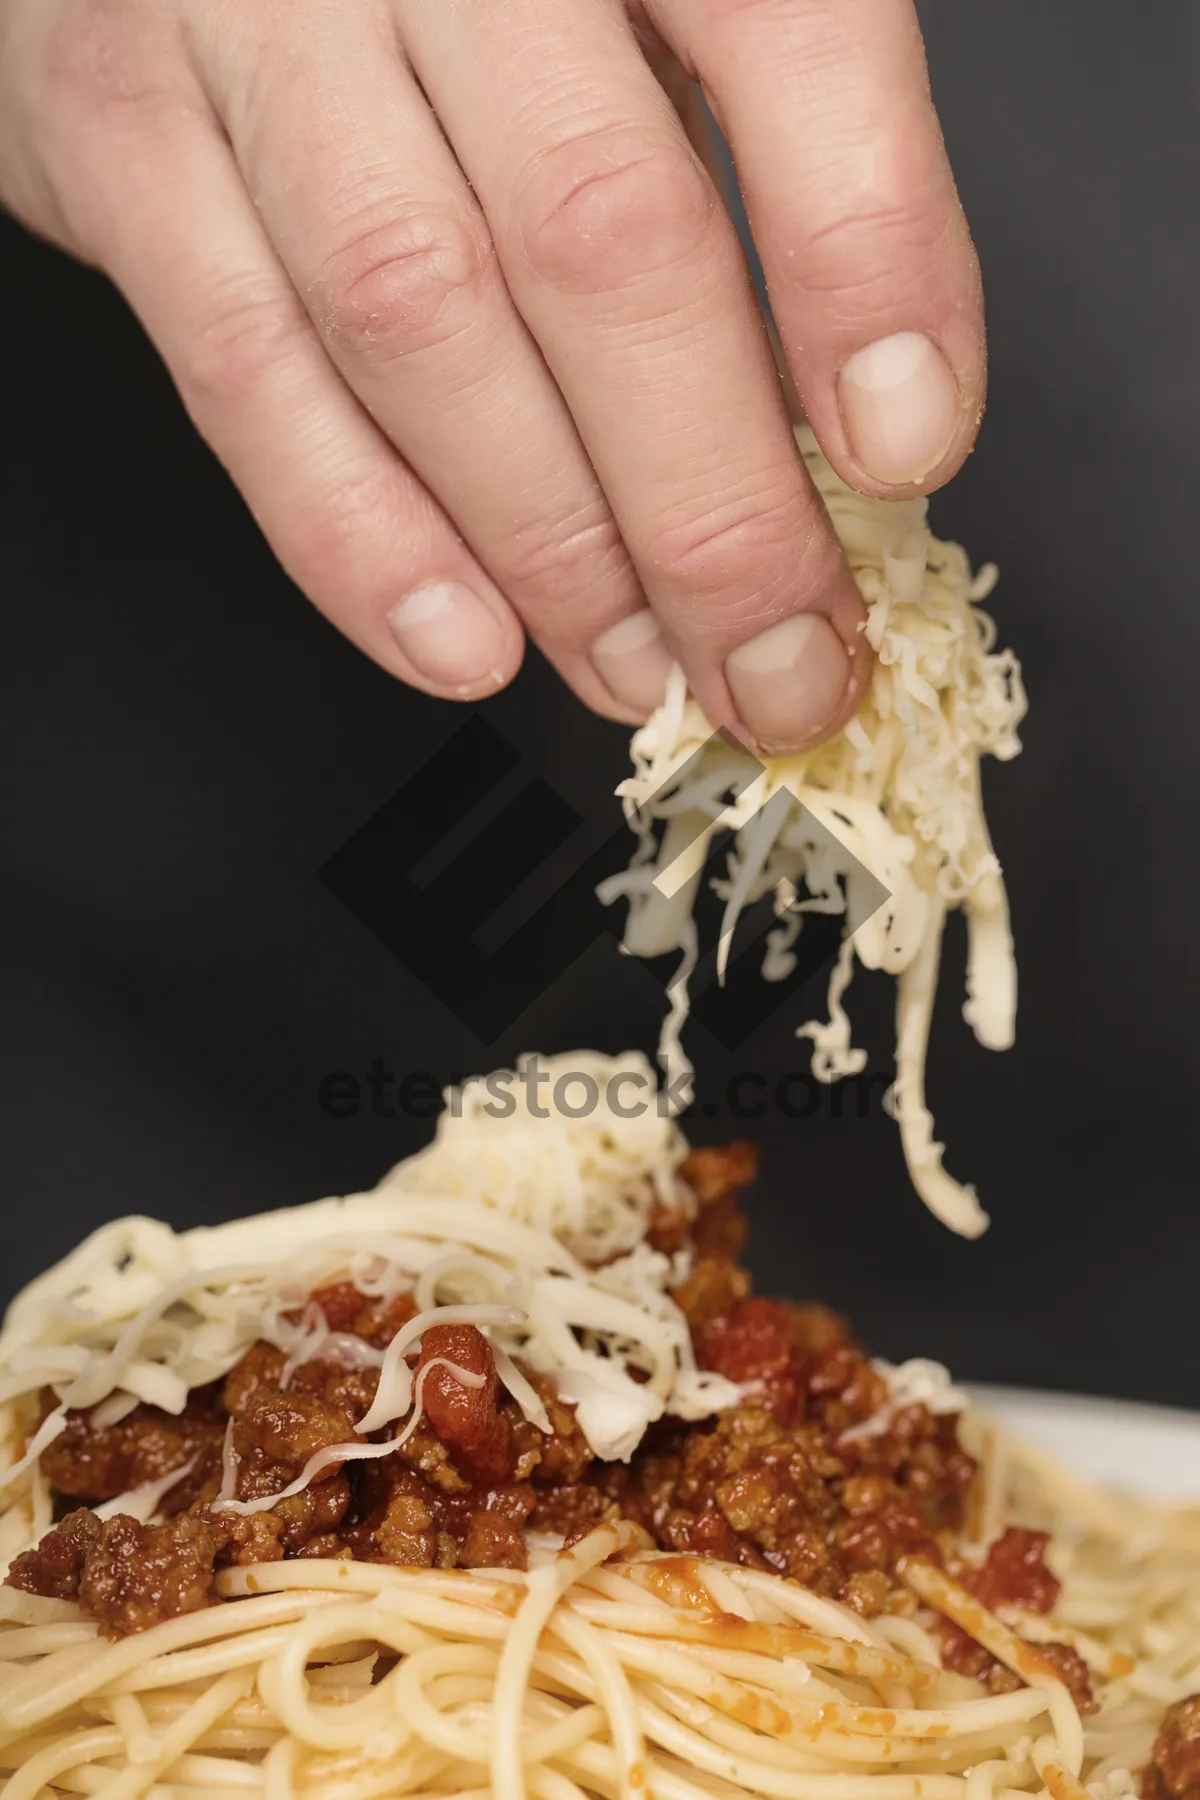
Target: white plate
1149	1450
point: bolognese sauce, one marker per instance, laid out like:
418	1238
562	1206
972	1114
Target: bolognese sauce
781	1481
1173	1772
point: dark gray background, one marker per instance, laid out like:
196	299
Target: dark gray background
187	741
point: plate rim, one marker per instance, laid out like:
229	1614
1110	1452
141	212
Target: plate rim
1057	1399
1128	1446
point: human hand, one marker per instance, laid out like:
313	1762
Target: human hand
446	288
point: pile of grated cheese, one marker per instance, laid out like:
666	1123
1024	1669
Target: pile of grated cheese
894	799
610	1152
524	1218
530	1225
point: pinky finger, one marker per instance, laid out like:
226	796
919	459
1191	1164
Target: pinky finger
349	521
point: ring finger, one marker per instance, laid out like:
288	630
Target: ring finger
391	254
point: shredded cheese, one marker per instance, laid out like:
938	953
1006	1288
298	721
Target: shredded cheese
575	1145
529	1227
918	1382
891	804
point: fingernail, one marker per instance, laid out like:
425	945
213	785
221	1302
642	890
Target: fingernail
634	662
900	406
448	635
789	681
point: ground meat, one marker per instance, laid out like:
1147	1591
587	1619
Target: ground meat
773	1483
467	1419
779	1474
140	1574
412	1523
87	1464
253	1537
280	1431
512	1500
276	1436
716	1177
445	1498
1173	1772
707	1533
572	1509
313	1513
405	1534
670	1226
428	1457
846	1389
882	1523
349	1390
493	1542
712	1290
341	1302
378	1321
393	1516
759	1493
937	1470
1015	1573
753	1342
55	1566
965	1656
962	1654
717	1173
1074	1672
707	1218
126	1575
815	1329
561	1457
330	1545
260	1369
720	1230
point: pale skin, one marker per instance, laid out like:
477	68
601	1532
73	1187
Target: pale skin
451	294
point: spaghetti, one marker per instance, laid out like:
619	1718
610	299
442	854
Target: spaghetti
649	1674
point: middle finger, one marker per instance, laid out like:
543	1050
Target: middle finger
628	272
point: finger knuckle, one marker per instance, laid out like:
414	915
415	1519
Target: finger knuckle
608	205
407	286
577	551
105	59
335	542
768	12
741	554
249	328
885	251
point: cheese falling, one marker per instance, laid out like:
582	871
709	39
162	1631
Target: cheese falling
894	799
